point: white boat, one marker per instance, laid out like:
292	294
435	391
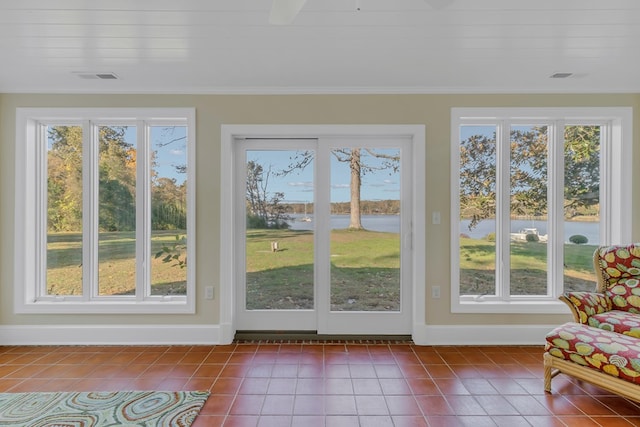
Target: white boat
305	218
521	235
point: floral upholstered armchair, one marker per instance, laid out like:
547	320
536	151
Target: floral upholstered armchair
615	304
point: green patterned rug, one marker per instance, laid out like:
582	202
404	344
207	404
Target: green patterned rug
101	409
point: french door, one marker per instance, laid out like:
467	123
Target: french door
323	234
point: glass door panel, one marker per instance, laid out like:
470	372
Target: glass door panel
325	232
365	229
369	237
279	238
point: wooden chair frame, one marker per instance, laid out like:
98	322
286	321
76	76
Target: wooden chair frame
554	366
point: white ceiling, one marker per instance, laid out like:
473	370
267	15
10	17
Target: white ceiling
389	46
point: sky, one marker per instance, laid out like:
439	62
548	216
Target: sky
298	185
173	154
170	145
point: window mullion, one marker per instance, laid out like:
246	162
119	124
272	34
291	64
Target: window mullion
503	190
322	239
143	209
607	192
41	210
90	206
555	212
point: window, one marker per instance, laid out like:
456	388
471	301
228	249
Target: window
104	211
535	191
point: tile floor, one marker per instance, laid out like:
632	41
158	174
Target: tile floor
330	384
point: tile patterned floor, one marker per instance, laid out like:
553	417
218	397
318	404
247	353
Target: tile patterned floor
330	384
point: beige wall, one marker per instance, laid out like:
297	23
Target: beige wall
214	110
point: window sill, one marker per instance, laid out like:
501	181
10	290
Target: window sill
106	307
511	307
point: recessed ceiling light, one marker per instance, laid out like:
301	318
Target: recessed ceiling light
560	75
107	76
90	76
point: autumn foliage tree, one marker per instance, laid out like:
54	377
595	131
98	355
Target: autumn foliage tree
528	172
117	159
64	182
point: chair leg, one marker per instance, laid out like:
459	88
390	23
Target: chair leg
548	375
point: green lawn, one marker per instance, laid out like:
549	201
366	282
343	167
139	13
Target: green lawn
528	267
116	253
365	268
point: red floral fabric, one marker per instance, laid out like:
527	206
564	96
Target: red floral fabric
589	303
622	322
609	352
620	267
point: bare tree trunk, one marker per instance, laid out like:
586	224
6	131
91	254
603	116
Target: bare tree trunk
355	223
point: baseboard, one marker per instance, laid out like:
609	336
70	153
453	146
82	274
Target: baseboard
223	334
480	334
111	335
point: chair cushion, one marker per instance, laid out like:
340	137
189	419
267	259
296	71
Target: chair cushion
622	322
615	354
620	266
588	303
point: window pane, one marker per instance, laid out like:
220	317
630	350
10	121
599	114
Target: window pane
581	205
528	215
279	236
64	210
117	210
365	235
169	210
477	210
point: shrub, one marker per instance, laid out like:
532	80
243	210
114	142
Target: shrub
532	238
578	239
491	237
255	221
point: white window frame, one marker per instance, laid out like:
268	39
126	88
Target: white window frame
31	222
615	200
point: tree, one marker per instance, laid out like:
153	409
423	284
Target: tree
358	168
168	204
528	171
116	174
117	180
168	197
264	211
477	178
64	179
581	168
528	177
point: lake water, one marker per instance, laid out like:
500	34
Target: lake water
391	224
386	223
589	229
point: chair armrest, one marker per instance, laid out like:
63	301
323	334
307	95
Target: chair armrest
585	304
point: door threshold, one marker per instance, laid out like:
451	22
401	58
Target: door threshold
313	336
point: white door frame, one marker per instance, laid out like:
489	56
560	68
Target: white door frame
231	133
